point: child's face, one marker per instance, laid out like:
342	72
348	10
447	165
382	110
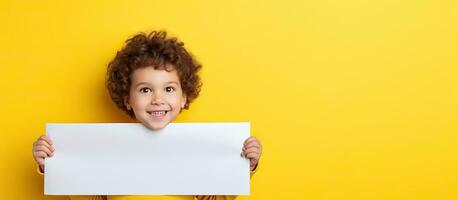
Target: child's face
155	96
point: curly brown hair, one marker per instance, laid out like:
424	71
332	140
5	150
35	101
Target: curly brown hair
158	51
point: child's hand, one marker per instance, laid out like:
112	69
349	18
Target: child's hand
252	149
42	148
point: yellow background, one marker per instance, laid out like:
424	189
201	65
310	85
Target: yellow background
351	99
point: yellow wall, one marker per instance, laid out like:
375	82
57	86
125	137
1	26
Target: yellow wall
351	99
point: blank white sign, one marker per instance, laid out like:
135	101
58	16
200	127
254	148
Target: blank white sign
130	159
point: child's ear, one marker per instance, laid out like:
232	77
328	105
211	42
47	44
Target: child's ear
184	101
126	102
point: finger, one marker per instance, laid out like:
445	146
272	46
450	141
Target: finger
41	154
251	148
254	156
39	157
245	152
47	139
40	161
45	149
251	151
252	164
250	139
45	143
252	144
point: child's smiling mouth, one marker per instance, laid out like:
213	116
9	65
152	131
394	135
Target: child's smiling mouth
158	114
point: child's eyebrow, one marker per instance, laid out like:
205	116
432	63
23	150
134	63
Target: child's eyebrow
166	83
141	83
170	82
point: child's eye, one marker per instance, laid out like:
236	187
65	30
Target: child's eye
169	89
145	90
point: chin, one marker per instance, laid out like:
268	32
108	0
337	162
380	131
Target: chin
155	126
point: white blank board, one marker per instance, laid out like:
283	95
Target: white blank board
130	159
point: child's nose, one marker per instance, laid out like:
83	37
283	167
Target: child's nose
157	99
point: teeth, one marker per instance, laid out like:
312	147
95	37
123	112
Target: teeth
158	113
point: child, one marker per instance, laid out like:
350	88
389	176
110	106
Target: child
152	79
